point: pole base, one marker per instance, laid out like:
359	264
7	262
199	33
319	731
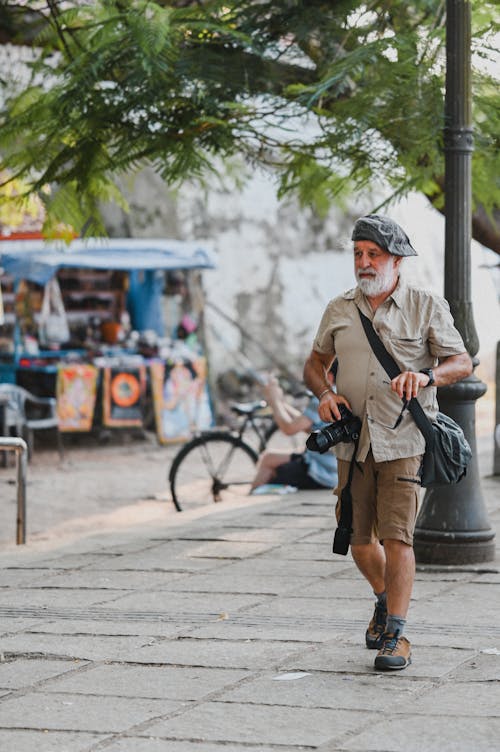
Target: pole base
466	552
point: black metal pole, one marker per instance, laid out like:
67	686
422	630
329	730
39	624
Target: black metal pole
452	526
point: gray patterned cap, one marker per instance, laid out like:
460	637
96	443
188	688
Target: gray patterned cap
385	233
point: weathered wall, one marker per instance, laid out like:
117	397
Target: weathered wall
279	265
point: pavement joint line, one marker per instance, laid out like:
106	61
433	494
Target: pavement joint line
241	619
222	743
190	705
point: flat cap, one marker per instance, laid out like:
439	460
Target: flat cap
385	233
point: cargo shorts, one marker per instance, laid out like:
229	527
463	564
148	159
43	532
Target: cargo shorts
385	498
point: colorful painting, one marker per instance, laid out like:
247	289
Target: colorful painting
180	396
76	389
122	396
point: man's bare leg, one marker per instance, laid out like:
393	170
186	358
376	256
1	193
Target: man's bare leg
371	561
399	576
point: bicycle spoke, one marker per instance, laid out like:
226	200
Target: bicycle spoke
220	471
211	468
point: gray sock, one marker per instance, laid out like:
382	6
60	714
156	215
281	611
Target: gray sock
381	599
395	624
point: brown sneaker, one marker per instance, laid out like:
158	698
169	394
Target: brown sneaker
376	627
394	654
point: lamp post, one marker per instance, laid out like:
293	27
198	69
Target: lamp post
452	526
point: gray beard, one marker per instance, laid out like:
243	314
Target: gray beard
376	285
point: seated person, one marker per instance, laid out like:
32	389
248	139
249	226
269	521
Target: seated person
304	470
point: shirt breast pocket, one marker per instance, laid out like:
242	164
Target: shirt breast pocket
408	351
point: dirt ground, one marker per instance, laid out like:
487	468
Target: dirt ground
121	484
94	487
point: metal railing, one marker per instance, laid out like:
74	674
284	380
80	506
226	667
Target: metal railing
20	447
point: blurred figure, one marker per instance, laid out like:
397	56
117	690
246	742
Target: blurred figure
304	470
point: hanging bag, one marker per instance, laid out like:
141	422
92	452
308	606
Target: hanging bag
447	451
53	325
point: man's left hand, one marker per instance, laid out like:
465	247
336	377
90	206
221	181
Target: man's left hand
409	383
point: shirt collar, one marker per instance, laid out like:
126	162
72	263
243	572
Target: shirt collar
398	295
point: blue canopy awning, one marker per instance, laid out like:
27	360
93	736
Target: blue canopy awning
39	260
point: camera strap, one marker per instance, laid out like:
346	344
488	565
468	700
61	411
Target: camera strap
392	369
344	525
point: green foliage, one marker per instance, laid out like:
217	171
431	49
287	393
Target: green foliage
333	96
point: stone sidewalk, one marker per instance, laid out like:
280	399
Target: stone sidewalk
236	629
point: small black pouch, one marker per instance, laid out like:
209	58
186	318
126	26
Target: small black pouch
342	537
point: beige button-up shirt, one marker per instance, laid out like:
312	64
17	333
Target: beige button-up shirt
417	329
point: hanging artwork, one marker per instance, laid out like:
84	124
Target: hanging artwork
181	400
123	390
76	388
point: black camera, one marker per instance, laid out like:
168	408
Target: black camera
346	429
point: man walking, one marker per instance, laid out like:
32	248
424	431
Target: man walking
417	329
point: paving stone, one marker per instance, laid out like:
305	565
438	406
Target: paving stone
113	580
430	662
57	597
116	627
305	552
258	724
74	646
67	561
162	633
483	700
226	582
249	535
17	577
13	624
335	608
165	563
228	549
21	740
338	691
15	674
301	519
425	635
323	537
230	629
483	667
425	732
263	567
186	603
74	712
332	588
428	573
448	606
488	577
216	653
320	515
158	682
135	744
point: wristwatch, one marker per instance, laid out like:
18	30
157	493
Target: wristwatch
430	373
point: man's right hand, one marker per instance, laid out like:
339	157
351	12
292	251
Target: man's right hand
328	406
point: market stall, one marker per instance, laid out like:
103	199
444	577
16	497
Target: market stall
112	328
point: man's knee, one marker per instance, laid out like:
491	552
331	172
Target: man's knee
395	543
397	548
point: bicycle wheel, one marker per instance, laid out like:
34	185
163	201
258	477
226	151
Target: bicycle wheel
212	467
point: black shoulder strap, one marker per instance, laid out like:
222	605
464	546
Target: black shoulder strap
392	369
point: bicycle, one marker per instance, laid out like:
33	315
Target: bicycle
219	463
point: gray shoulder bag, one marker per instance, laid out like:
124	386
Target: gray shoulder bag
447	451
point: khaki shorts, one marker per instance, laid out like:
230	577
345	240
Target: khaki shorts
385	498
